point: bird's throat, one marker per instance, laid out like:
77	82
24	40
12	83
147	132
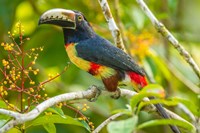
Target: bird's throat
75	36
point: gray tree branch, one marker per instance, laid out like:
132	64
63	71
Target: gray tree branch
166	34
112	25
93	91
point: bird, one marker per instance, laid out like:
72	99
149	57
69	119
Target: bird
92	53
95	54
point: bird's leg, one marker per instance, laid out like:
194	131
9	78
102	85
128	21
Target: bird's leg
116	94
98	92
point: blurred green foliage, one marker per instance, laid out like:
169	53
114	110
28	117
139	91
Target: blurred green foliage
164	63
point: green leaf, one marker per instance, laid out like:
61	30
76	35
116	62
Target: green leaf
189	104
138	17
161	66
180	123
150	90
86	125
154	88
2	104
123	126
172	5
156	101
50	128
54	119
2	122
14	130
4	119
127	111
124	111
57	110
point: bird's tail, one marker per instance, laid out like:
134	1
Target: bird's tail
137	79
141	81
164	114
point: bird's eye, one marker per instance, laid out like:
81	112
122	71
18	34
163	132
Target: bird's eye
80	18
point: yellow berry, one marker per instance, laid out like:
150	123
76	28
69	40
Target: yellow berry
48	113
38	96
84	109
25	71
31	89
92	127
12	86
1	88
32	82
80	118
35	72
90	123
23	126
23	100
8	67
4	62
41	49
2	44
6	93
5	82
84	118
59	105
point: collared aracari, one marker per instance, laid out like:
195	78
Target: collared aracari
94	54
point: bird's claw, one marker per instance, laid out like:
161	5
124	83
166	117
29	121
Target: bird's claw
98	92
116	94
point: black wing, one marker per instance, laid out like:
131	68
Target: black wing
101	51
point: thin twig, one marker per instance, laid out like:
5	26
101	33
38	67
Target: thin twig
112	25
187	112
175	116
49	80
103	124
165	33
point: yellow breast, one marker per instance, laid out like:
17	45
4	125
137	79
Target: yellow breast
102	71
79	62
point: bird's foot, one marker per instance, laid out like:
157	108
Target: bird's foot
116	94
96	94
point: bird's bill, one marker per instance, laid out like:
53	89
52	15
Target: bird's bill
60	17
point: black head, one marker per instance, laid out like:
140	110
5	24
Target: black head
74	24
